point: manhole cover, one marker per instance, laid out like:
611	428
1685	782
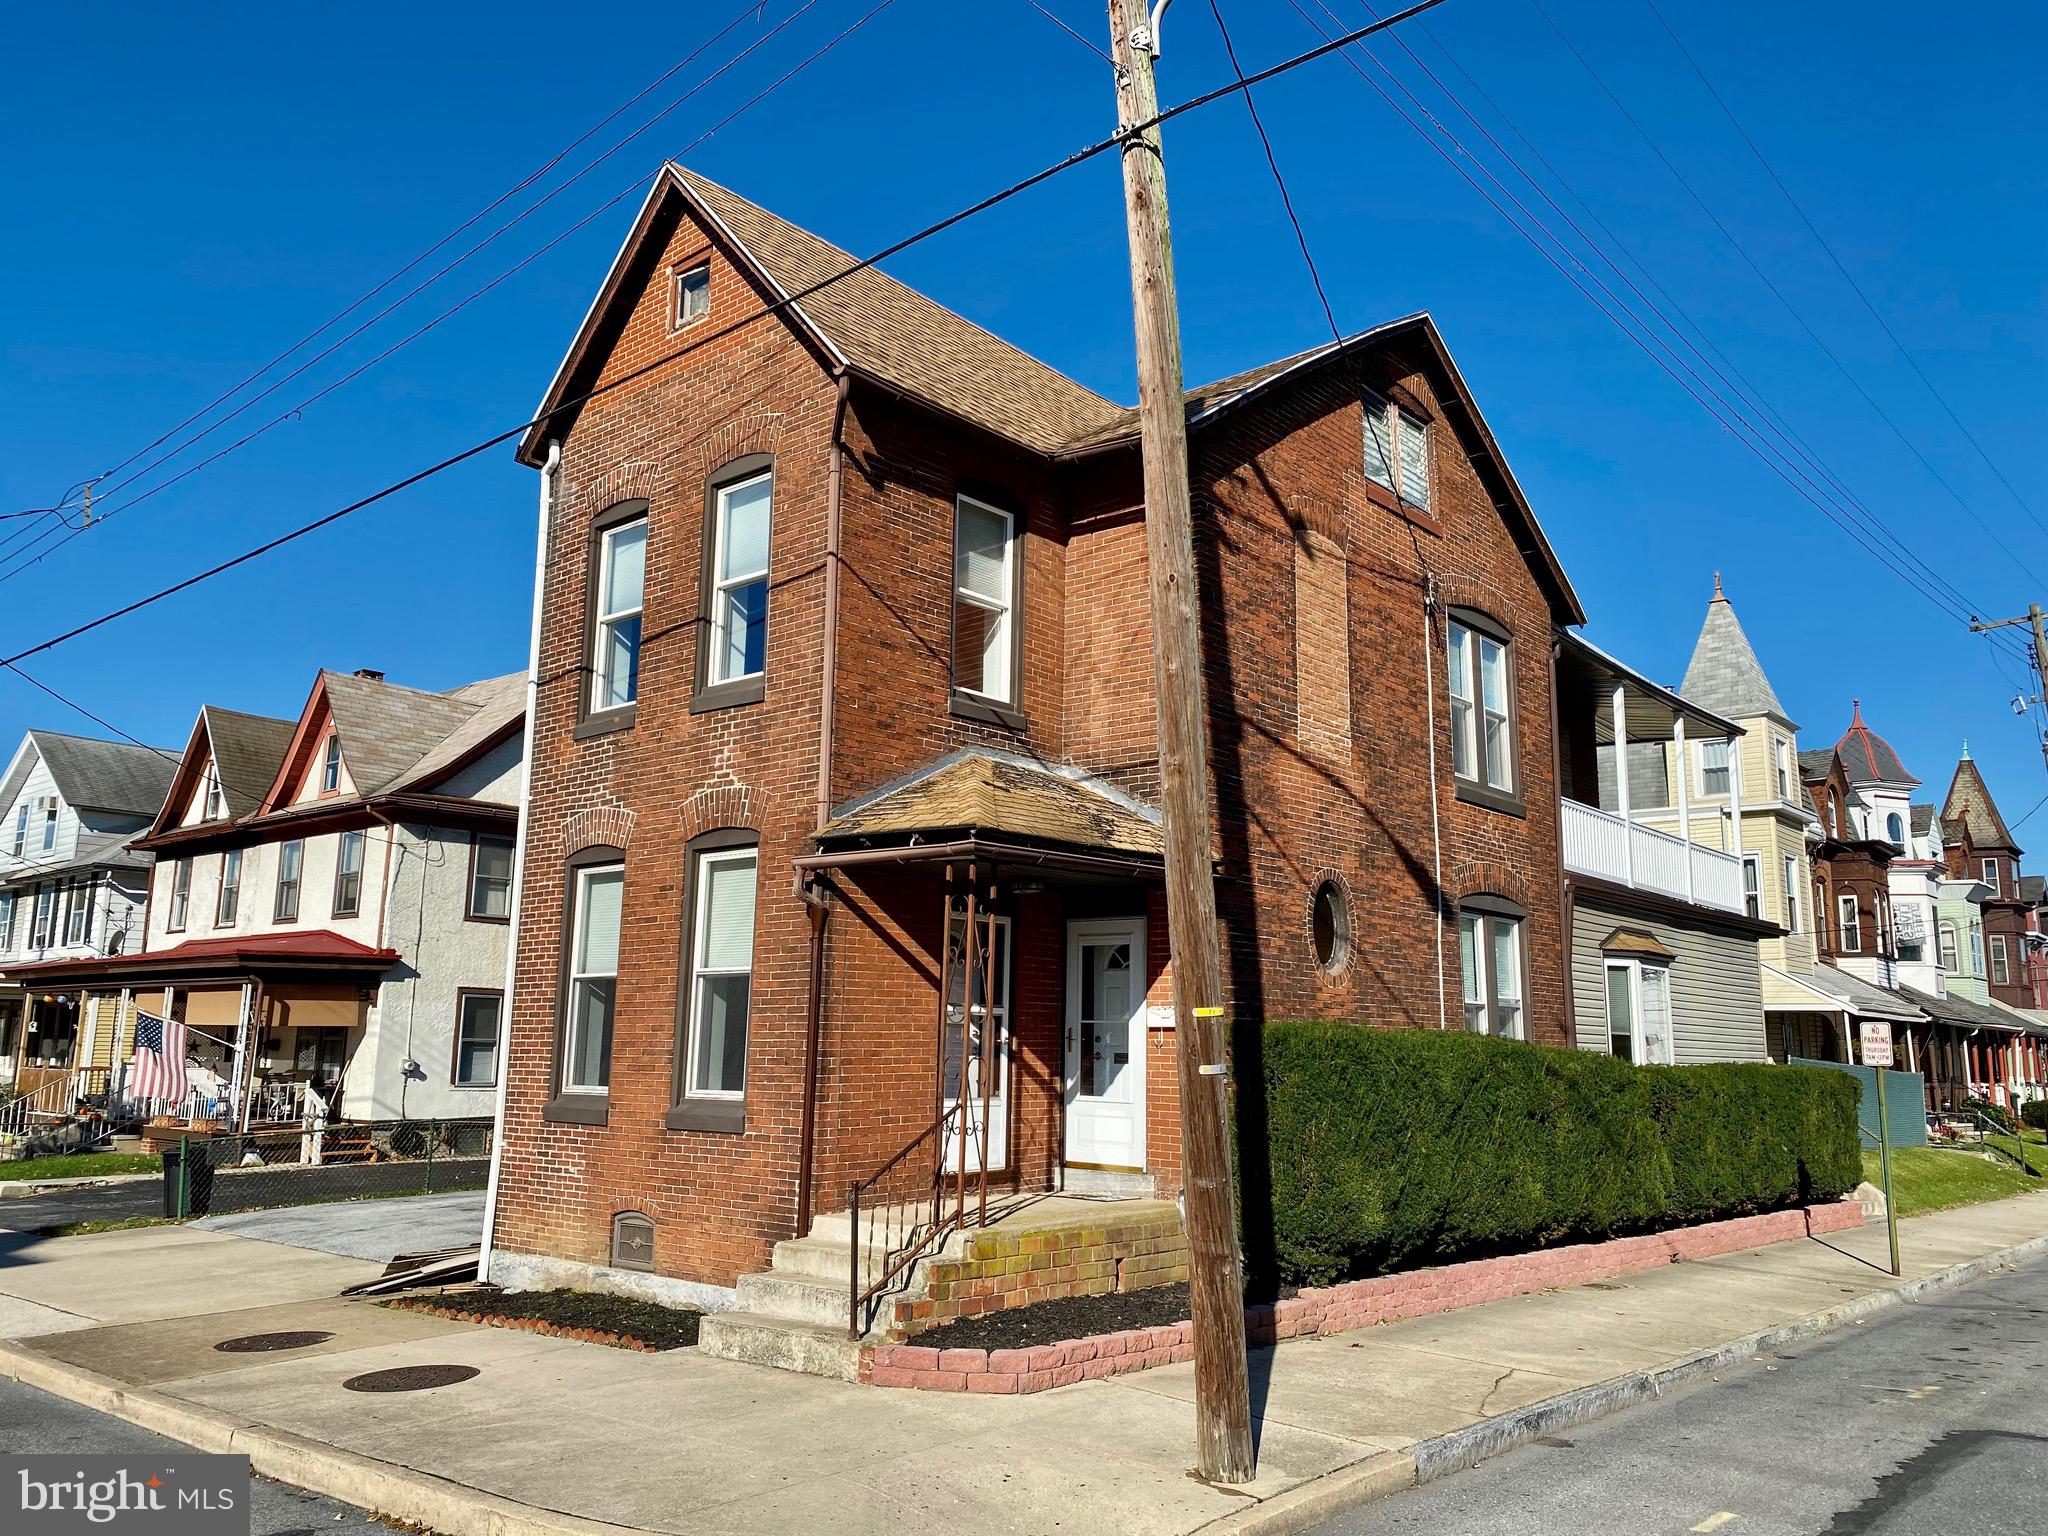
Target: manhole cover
410	1378
263	1343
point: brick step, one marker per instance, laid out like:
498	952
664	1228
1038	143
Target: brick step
782	1342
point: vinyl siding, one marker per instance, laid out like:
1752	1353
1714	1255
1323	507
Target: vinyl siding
1717	1004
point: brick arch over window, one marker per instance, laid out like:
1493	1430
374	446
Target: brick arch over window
728	805
632	480
759	433
606	826
1317	515
1456	590
1490	877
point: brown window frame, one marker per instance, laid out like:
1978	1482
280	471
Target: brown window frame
591	721
355	906
462	997
330	757
297	884
579	1108
175	920
1488	907
963	703
1478	791
734	692
223	916
723	1115
469	912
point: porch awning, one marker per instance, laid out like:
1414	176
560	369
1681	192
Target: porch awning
2033	1020
1785	993
976	800
312	953
1867	1001
1964	1014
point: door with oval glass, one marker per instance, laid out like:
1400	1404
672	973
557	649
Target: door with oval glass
1105	1044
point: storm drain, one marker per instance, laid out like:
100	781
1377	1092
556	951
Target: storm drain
263	1343
410	1378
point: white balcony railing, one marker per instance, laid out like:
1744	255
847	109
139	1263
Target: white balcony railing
1601	844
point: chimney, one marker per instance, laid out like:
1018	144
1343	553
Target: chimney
369	674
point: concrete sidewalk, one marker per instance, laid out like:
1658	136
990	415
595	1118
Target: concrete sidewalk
559	1437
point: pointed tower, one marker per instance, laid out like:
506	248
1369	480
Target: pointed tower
1980	847
1724	674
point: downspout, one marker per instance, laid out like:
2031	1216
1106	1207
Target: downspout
1436	835
549	471
817	905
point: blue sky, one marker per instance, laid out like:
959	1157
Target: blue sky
191	191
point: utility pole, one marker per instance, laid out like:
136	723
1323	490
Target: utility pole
1223	1416
2037	621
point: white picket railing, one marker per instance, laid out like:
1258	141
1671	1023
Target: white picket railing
1601	844
51	1102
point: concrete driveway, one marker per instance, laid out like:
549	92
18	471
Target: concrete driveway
377	1230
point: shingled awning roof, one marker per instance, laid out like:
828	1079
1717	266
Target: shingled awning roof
979	792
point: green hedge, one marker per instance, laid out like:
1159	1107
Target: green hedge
2034	1113
1392	1149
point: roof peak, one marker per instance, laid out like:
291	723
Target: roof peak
1869	758
1724	675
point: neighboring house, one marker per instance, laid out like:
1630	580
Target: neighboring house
1664	934
68	886
1983	847
330	901
846	691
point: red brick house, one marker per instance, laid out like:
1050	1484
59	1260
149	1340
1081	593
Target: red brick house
845	694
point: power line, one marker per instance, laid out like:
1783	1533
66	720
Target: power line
1779	294
293	411
70	703
1822	241
1078	157
1080	38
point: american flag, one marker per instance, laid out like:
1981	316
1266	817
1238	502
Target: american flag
158	1070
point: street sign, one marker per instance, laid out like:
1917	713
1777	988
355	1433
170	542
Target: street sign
1876	1042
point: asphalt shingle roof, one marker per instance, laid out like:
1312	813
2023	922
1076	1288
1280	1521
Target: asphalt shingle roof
981	792
247	752
107	775
1724	674
386	729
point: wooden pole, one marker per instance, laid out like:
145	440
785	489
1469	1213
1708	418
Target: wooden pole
1884	1164
1223	1425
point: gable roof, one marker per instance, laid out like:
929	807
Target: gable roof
247	750
1724	674
868	321
106	775
1969	804
1923	818
497	704
1868	757
385	728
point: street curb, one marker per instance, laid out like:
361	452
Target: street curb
29	1189
456	1509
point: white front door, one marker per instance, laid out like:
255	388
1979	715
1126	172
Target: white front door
1105	1044
988	1147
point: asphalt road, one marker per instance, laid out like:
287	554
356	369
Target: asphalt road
1929	1420
243	1189
34	1422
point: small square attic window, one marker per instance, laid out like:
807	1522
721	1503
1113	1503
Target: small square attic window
693	295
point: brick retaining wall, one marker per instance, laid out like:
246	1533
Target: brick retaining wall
1341	1308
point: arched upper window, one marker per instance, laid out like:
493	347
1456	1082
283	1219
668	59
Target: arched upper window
1895	829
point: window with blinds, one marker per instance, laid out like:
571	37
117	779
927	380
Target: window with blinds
984	595
593	979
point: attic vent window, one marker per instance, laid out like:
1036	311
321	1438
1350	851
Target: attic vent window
693	295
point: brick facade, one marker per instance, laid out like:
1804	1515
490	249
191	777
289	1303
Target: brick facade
1321	749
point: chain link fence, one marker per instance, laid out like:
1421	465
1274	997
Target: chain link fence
367	1160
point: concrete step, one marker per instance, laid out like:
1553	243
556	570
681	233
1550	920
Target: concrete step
800	1298
781	1342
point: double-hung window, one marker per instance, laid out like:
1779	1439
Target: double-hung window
477	1016
621	579
490	880
181	895
1639	1012
1850	924
291	864
46	907
1716	766
721	971
49	823
21	830
212	812
1753	884
6	920
597	894
1991	873
2000	974
1397	450
737	644
1781	757
230	889
78	914
1791	894
1951	957
1490	958
692	296
330	765
1481	666
348	875
984	599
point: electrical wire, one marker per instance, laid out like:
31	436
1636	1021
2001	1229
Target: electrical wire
70	703
776	306
1085	42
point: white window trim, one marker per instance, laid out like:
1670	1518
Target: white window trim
1949	956
1007	608
49	822
1461	636
1481	921
76	913
2000	961
1781	761
608	620
1728	768
1634	970
1989	869
21	830
715	672
676	318
1791	893
1753	884
700	912
584	876
1849	924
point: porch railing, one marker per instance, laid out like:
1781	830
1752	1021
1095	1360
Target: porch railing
1601	844
906	1209
50	1103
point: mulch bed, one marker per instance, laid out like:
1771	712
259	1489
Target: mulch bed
1067	1317
590	1316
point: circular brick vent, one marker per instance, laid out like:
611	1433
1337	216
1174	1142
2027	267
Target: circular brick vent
263	1343
410	1378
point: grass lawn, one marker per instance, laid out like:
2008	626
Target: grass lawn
78	1165
1933	1179
123	1224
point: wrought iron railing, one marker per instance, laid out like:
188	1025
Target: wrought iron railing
907	1208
